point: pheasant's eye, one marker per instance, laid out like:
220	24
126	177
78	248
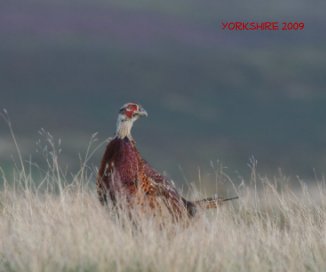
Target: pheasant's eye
129	108
132	107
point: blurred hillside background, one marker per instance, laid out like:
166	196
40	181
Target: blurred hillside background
68	66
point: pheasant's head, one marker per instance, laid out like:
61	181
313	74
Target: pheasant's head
128	114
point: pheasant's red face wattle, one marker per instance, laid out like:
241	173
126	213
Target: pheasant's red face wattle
131	110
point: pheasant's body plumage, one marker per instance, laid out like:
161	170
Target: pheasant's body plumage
124	174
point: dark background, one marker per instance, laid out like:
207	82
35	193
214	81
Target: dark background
211	95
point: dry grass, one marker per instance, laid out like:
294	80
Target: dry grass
56	225
63	228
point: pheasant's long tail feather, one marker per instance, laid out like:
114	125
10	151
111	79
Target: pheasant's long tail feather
212	202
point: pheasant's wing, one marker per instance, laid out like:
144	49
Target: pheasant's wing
159	185
159	182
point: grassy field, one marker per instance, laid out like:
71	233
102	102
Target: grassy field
53	221
55	226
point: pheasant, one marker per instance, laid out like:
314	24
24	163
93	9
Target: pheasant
124	174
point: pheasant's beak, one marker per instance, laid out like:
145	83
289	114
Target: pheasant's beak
142	112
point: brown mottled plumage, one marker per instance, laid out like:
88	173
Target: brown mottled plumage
124	174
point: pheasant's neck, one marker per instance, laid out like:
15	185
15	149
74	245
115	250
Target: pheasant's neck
124	128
